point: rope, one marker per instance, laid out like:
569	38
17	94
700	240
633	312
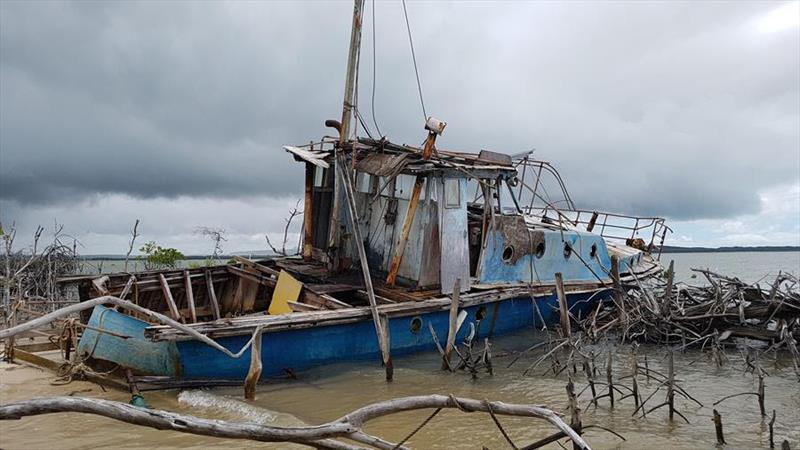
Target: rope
500	427
414	58
416	430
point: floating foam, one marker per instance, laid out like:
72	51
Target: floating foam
208	400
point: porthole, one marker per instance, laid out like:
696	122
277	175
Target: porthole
416	325
540	249
567	250
481	313
593	251
508	253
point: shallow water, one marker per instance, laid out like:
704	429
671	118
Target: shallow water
329	392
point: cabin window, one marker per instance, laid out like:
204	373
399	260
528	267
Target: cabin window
319	176
593	251
452	193
540	249
364	182
567	250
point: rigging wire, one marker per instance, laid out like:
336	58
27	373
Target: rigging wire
414	58
374	77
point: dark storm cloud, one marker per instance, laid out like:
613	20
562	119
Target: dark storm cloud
683	109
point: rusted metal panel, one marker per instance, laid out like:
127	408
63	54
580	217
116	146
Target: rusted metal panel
383	164
490	157
453	235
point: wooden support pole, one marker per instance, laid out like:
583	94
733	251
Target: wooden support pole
189	296
254	374
671	386
381	330
453	324
173	308
308	217
212	295
397	258
668	291
562	306
575	410
771	432
592	221
718	428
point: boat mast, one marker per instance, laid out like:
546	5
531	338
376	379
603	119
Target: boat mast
334	235
350	79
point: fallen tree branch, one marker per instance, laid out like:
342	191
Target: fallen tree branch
105	300
321	436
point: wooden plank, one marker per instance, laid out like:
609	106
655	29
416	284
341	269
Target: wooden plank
324	301
301	307
563	309
452	327
36	347
212	296
397	258
49	364
381	300
250	276
228	295
254	265
244	326
308	218
254	374
380	329
189	296
173	308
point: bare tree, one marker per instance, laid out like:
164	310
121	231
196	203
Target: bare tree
292	214
215	234
134	235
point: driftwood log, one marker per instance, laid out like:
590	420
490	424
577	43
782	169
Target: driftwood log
321	436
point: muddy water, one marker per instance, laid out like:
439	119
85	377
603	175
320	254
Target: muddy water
327	393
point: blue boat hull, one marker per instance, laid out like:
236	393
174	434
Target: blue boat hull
301	349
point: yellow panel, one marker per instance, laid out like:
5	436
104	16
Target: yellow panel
287	290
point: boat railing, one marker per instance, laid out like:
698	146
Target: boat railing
619	227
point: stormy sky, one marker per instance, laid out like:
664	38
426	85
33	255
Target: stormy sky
175	113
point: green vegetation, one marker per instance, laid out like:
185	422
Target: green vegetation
158	257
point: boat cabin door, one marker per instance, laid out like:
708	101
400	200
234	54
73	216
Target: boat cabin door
453	234
322	202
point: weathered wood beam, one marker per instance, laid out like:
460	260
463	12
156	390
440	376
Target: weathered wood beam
381	331
173	308
563	308
308	218
397	258
212	295
452	325
189	296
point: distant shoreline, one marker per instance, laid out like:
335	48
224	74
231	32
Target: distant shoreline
667	249
777	248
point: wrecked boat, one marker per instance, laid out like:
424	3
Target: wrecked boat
398	242
314	308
